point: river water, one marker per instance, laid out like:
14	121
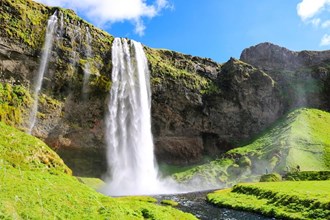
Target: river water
195	203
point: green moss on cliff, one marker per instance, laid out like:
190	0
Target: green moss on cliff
23	20
14	103
164	68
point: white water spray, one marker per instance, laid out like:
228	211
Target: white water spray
128	135
51	27
87	71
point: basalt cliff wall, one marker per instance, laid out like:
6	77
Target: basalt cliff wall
199	107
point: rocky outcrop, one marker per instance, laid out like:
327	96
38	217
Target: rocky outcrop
302	76
271	57
189	124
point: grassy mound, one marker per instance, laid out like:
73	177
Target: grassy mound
35	184
288	200
24	152
301	138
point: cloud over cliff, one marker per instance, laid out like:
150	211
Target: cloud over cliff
102	12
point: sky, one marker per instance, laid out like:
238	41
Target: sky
216	29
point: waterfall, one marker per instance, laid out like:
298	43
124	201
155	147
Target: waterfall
76	35
128	125
87	72
51	27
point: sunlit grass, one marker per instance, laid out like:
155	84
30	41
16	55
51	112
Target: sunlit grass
36	184
289	200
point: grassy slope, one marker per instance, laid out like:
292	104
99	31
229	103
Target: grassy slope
289	200
300	138
36	184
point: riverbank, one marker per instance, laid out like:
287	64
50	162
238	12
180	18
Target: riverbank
196	204
288	199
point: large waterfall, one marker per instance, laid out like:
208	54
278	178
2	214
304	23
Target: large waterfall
51	26
129	138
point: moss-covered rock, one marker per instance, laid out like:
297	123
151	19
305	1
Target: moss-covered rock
15	101
169	202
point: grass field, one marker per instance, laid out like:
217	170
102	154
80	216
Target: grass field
289	199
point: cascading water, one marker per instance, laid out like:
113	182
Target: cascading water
76	36
51	27
128	135
87	64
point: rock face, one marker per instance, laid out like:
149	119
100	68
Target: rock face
199	107
270	57
303	77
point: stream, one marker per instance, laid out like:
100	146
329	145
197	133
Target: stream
195	203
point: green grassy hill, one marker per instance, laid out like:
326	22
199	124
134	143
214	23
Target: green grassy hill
300	138
283	200
36	184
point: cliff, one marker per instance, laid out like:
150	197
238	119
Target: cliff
199	107
302	76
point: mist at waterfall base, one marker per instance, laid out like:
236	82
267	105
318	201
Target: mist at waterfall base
131	162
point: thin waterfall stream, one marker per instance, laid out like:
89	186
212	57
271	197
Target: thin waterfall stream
87	67
51	27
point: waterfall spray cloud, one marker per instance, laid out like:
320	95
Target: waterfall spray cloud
102	12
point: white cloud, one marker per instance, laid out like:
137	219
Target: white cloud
102	12
309	8
316	21
325	41
326	24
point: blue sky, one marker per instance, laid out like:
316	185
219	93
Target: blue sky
217	29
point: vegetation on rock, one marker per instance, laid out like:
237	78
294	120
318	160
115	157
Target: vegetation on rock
283	200
169	202
14	103
168	65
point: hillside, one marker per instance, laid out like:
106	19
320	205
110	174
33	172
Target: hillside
299	138
36	184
